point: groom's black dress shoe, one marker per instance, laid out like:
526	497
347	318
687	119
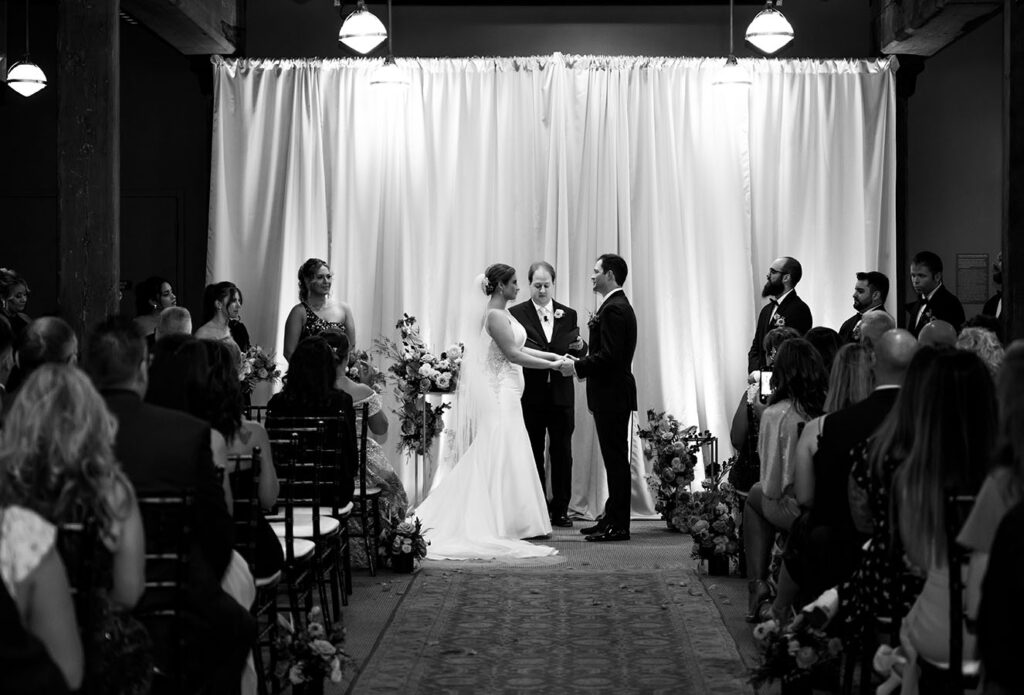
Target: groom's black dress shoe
599	527
609	535
562	521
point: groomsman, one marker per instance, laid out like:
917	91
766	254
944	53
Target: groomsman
868	295
935	302
994	304
785	308
611	391
549	396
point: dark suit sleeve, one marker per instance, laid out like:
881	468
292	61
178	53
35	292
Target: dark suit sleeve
802	320
573	322
754	353
216	530
614	348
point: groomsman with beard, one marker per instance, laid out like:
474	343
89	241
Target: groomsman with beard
936	302
868	295
549	396
784	309
611	391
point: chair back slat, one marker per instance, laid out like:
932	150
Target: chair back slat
362	432
244	480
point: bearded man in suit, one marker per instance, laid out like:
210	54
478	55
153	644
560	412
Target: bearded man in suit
785	308
611	391
935	301
549	396
869	294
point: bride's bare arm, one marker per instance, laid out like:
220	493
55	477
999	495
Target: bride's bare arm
549	356
501	333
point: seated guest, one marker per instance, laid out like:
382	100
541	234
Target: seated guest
936	333
40	651
984	344
826	341
168	451
1000	639
152	296
309	391
379	472
56	457
222	303
873	325
747	418
798	384
869	294
956	428
174	320
13	299
47	339
989	323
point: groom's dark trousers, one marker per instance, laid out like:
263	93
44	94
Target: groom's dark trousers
549	400
611	397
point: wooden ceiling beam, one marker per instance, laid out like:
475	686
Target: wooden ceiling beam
194	27
924	27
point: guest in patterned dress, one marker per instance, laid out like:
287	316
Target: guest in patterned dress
379	473
316	311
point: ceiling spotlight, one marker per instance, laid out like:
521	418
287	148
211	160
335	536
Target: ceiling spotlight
25	77
362	31
731	74
769	30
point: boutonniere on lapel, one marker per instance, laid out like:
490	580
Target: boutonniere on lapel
779	321
594	319
559	313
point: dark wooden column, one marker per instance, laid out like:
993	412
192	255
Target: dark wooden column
1013	169
88	159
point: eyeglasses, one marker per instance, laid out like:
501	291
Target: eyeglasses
772	271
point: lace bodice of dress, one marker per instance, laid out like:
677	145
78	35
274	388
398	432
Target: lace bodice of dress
25	537
497	365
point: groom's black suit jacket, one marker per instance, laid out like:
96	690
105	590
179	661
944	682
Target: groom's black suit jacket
793	312
608	367
547	386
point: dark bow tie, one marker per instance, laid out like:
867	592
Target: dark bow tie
773	300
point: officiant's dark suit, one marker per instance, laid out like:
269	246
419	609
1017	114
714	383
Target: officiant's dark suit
549	399
611	391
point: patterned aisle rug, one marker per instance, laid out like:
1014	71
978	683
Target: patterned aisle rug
555	630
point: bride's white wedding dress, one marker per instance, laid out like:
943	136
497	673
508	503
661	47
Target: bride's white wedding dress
492	498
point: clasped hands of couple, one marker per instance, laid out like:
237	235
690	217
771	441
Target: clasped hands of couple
564	364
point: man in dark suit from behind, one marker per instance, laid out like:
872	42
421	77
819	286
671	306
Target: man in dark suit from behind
869	294
165	451
934	302
549	396
785	308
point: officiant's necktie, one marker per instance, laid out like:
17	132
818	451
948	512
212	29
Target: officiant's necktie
547	324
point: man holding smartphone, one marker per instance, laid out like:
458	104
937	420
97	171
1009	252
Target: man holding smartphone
549	397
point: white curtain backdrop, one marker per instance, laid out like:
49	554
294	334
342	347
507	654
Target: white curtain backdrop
410	193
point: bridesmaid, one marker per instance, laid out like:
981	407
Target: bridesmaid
222	303
152	295
316	312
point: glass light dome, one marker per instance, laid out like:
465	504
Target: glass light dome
769	30
25	77
362	31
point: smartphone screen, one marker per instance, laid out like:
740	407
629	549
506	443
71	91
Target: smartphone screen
766	385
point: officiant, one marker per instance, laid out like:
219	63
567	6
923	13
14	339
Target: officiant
548	397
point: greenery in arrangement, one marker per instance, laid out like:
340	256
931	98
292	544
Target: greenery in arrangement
713	516
419	371
795	653
314	652
664	442
405	540
257	366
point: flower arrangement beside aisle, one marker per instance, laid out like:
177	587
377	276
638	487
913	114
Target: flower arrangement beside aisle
402	545
664	443
362	371
312	654
257	366
713	517
797	652
419	371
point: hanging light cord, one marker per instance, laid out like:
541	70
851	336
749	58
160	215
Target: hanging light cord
26	27
390	32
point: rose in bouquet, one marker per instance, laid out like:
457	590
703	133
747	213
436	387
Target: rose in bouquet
674	459
313	652
362	371
796	652
404	540
712	517
257	366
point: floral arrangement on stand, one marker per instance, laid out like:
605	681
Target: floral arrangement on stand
798	653
257	366
713	517
312	654
664	442
402	545
361	370
419	371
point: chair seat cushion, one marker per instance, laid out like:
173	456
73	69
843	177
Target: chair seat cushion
270	580
300	547
370	492
302	526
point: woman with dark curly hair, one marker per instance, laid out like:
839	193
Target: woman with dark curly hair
799	383
316	311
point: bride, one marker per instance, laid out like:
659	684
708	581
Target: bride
492	497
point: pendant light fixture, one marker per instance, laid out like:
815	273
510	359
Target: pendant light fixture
770	30
25	77
362	31
731	74
389	74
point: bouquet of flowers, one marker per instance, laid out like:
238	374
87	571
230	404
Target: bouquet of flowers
796	652
361	371
257	366
713	517
403	544
419	372
312	653
664	442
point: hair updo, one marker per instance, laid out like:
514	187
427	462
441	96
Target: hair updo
307	271
495	275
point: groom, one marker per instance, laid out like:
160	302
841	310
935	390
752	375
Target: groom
611	391
549	397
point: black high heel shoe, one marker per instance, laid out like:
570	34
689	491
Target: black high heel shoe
759	592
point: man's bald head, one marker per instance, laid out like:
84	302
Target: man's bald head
174	320
937	333
893	352
873	325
